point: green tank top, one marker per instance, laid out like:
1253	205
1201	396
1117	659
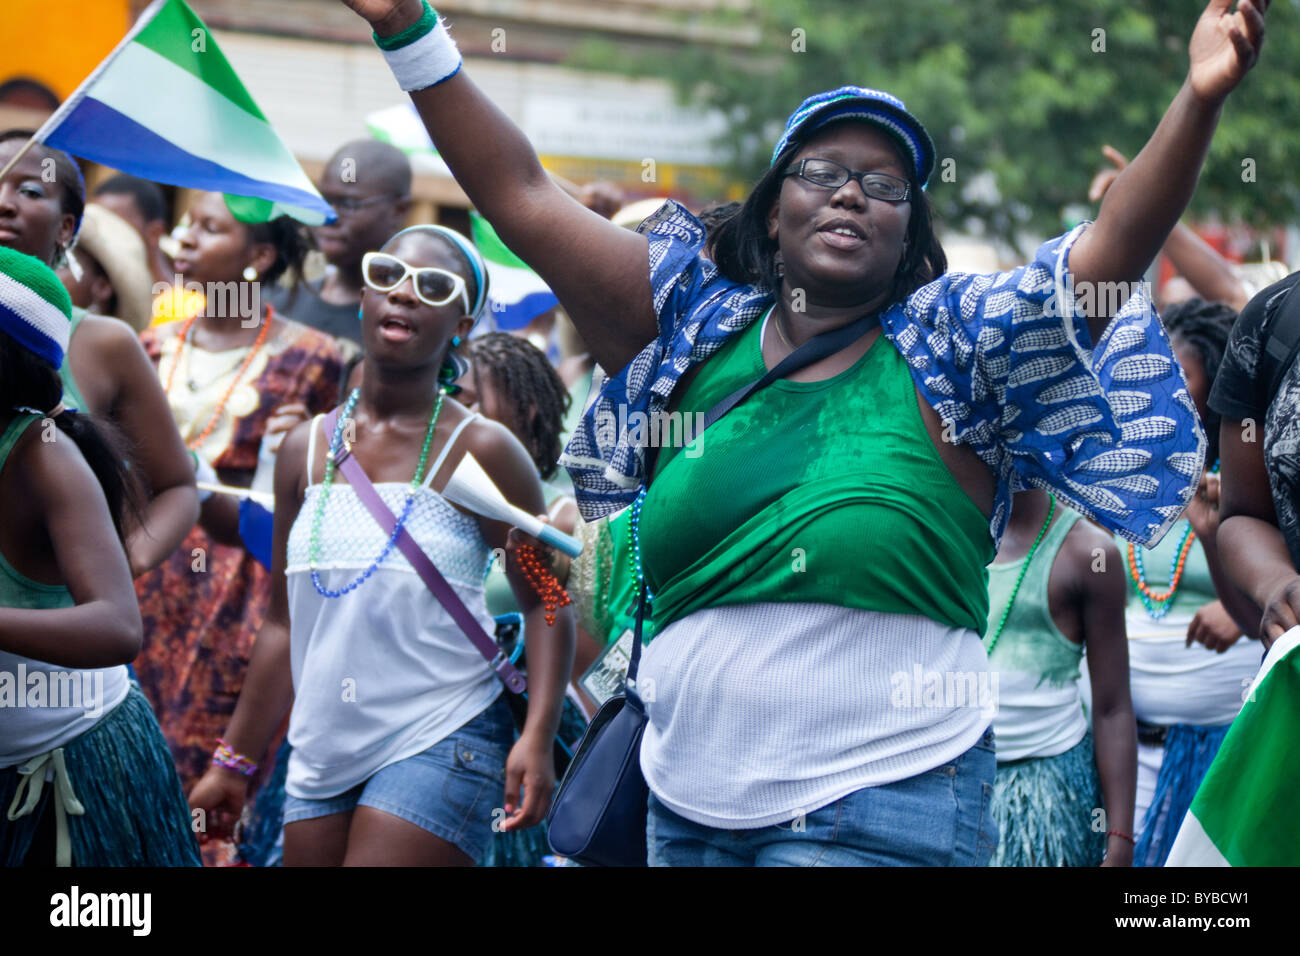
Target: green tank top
825	492
1031	641
17	590
71	394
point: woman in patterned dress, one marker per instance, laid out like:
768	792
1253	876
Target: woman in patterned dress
230	382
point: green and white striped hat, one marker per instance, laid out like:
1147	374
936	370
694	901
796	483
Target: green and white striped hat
34	307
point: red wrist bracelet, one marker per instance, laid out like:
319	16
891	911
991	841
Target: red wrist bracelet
1122	835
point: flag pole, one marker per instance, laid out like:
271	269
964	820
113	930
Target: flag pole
67	106
17	156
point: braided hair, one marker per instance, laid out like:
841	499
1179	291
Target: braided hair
530	389
1204	327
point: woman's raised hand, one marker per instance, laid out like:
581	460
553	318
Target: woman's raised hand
1224	47
1101	182
387	16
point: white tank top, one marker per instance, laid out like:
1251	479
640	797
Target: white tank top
761	712
383	672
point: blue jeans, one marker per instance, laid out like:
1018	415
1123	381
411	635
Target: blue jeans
454	790
938	818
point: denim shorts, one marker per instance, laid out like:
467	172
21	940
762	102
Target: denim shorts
942	817
450	790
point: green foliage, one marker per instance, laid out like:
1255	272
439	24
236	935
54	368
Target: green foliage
1015	90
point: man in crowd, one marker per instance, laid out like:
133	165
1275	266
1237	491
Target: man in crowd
142	204
369	185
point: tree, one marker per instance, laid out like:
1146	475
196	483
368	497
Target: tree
1018	96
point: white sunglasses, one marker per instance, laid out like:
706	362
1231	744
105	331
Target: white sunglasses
433	286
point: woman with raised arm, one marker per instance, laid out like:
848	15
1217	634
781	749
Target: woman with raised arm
105	371
85	776
401	739
832	530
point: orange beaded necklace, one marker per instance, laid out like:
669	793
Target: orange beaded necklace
545	583
1156	602
262	334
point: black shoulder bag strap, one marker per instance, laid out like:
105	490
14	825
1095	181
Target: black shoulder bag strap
814	350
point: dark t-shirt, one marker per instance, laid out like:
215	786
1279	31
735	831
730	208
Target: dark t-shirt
1239	394
305	305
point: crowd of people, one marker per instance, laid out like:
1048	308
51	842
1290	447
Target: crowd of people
982	584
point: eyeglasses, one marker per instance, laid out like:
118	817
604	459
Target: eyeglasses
345	205
433	286
830	175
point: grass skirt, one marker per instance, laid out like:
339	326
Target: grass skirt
1189	751
263	842
1045	808
122	774
527	847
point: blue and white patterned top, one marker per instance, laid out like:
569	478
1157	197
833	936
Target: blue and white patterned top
1002	359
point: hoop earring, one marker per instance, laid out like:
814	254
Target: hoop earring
250	274
778	264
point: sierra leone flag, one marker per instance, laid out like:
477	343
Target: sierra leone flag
1244	812
401	126
516	293
165	105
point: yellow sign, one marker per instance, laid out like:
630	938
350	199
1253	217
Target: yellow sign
56	43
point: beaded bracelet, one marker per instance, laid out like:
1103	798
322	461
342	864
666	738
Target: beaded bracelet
1122	835
422	55
225	756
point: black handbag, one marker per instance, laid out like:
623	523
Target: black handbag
598	815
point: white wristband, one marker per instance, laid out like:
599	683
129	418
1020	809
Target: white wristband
426	62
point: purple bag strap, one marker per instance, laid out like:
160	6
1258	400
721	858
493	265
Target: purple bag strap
425	568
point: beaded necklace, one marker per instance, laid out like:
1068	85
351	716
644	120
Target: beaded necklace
1158	603
635	538
1024	567
185	332
336	442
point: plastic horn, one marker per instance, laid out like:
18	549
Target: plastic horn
470	487
261	497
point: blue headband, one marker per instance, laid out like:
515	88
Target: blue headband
471	253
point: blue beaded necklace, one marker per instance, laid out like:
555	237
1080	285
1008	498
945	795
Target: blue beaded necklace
336	442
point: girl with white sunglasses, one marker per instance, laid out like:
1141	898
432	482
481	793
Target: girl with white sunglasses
401	739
